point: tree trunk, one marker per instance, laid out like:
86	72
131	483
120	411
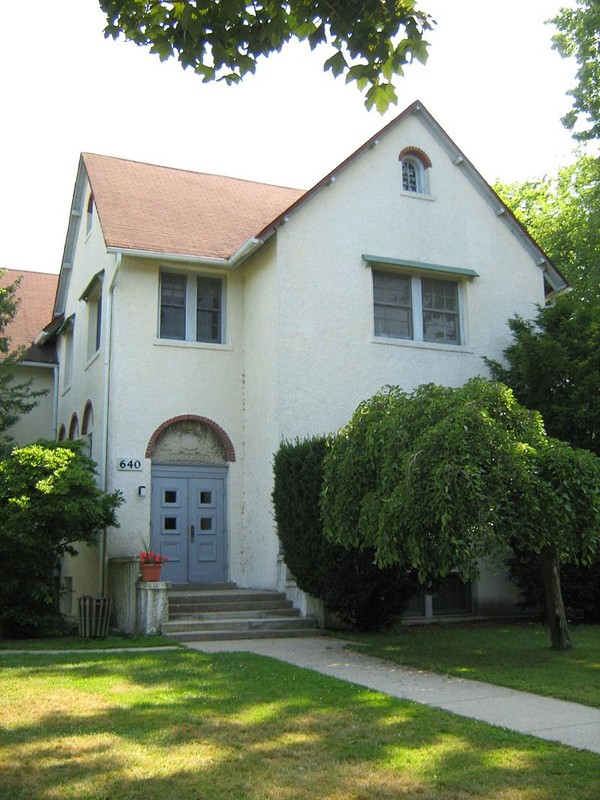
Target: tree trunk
555	609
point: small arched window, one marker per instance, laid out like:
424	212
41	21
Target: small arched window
74	427
87	426
414	163
62	433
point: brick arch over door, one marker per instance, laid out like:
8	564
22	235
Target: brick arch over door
196	420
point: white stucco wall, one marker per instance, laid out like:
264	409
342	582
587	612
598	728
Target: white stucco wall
39	422
153	380
311	356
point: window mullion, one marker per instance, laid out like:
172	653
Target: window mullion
417	301
190	308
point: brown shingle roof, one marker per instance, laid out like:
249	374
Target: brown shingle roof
36	293
165	210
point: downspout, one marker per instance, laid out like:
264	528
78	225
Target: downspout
55	401
105	404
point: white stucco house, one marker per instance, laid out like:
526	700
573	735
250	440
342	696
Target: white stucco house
203	319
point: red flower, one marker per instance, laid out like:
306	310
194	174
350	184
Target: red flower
150	557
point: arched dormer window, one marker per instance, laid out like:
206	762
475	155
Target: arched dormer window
415	162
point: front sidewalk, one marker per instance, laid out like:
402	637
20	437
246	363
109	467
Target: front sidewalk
556	720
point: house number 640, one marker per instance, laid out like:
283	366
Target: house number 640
129	464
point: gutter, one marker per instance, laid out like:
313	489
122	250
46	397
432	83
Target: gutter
105	405
246	250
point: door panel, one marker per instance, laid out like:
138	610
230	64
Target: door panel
188	523
206	498
170	525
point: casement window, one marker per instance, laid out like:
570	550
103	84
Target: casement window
66	362
417	308
191	308
418	302
92	295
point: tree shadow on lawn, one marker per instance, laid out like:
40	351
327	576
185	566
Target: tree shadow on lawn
189	726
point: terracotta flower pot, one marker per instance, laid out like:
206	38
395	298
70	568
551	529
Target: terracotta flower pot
151	572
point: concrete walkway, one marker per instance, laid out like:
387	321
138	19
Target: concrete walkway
570	723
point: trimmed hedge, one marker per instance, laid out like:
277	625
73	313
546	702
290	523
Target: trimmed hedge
347	580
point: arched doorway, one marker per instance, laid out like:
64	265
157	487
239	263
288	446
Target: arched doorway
189	492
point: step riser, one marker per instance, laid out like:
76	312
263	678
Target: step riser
202	636
291	613
238	624
238	608
225	598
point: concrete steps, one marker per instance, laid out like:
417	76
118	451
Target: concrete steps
223	611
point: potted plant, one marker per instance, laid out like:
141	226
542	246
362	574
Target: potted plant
151	565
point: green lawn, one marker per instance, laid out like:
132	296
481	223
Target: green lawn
185	725
80	643
518	656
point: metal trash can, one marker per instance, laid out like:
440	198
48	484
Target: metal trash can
94	616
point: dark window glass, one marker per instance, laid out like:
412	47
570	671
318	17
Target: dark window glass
393	305
453	596
440	311
208	310
172	306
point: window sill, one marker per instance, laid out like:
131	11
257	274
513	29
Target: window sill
452	348
191	345
417	195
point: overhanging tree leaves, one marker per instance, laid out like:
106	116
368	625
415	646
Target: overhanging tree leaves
440	478
49	501
562	213
579	37
16	398
372	40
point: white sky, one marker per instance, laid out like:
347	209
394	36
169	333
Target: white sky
492	81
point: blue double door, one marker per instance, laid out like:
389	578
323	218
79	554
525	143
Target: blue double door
188	522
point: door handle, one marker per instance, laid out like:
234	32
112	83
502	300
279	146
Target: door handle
192	534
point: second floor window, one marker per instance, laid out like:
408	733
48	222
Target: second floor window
191	308
416	308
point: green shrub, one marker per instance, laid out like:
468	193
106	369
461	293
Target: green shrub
347	580
49	501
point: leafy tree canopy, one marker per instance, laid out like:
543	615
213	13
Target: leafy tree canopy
562	213
16	398
372	40
553	365
439	478
579	37
49	501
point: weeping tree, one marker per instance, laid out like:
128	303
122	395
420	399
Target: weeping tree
438	479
